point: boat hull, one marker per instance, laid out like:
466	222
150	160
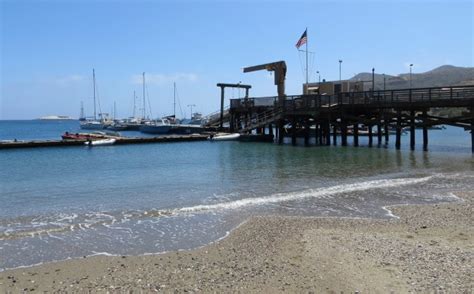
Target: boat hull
228	137
171	129
92	126
100	142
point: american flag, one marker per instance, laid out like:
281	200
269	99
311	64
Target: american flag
302	40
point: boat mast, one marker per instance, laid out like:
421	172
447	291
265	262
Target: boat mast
174	100
82	110
93	82
144	104
134	105
115	110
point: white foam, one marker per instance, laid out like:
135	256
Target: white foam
311	193
390	213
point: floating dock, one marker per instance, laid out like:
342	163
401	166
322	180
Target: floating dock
120	141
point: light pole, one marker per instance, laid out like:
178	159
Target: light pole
384	82
319	77
191	106
373	79
340	63
238	87
411	65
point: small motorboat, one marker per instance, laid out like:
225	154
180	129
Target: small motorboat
224	137
100	142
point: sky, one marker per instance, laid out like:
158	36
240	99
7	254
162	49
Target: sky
48	49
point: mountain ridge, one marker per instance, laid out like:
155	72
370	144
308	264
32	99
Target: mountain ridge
445	75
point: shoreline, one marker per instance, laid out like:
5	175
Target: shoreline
428	248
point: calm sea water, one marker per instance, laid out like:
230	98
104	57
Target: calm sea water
59	203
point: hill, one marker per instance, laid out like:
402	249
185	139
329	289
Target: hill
446	75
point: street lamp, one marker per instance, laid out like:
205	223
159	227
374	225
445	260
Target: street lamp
238	87
411	65
319	77
373	79
384	82
340	62
191	106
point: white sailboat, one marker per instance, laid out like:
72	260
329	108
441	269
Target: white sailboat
96	124
171	125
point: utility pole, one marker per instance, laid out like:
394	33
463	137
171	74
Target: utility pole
340	62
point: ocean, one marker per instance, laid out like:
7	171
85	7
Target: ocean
61	203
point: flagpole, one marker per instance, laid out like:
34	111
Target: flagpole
307	61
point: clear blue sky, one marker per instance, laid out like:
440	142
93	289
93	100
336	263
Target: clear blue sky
48	48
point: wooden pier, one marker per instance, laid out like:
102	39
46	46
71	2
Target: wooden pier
327	116
120	141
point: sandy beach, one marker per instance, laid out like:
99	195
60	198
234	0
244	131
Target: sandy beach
430	248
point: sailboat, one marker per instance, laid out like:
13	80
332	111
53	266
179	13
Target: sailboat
96	124
169	124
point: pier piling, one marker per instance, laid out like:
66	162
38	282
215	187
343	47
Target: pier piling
356	135
398	131
370	136
425	131
412	130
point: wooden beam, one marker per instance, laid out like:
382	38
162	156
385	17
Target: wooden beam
242	86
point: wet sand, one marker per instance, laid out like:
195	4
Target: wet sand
430	248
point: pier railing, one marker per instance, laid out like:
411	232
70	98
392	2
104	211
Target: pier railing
213	119
452	95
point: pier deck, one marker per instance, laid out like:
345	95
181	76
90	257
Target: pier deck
328	115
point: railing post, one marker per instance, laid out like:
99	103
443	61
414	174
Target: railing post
429	94
409	95
451	93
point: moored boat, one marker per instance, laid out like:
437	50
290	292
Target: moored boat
224	137
100	142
